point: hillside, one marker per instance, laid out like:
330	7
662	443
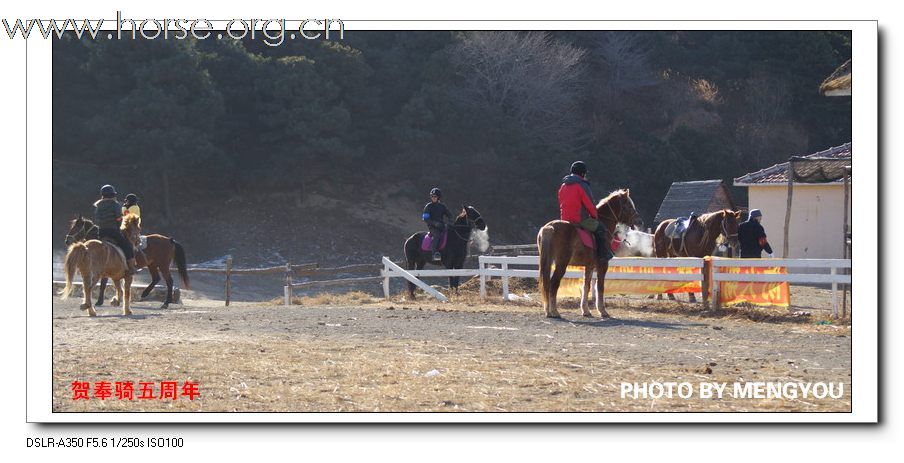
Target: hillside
325	150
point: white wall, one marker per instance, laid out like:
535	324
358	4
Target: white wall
816	218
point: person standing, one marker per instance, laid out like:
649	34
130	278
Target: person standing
752	237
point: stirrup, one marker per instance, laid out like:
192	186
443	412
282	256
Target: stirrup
437	256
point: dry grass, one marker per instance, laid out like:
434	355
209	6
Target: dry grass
317	376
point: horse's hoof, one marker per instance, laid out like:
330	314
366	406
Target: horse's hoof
126	313
553	315
605	315
164	306
115	302
587	314
84	306
98	303
91	312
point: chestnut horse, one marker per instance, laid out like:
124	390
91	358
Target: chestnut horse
560	244
161	251
95	259
699	239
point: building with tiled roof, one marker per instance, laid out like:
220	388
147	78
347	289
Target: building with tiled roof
700	196
817	212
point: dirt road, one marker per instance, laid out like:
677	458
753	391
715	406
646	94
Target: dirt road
371	355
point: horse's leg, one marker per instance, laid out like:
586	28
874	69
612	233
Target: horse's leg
418	265
600	300
155	278
585	292
554	281
127	301
453	281
168	277
87	286
103	288
117	285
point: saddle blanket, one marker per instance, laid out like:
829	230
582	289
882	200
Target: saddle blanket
587	238
428	240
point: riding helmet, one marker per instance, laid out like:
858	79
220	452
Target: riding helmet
436	192
107	191
131	198
579	168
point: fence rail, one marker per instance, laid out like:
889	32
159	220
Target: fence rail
796	276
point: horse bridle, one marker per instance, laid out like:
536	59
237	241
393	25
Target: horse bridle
725	230
83	230
471	224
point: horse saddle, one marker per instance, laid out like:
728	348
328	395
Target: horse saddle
428	240
676	229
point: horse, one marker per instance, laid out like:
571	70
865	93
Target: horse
456	249
560	244
699	239
157	257
95	259
634	243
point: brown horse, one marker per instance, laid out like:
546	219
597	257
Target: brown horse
560	244
161	251
699	239
94	260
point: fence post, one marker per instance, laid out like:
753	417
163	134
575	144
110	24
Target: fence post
288	284
228	277
505	281
834	294
481	266
716	303
385	281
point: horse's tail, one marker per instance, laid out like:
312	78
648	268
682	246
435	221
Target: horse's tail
544	245
180	263
74	258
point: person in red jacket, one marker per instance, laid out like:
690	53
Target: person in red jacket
576	205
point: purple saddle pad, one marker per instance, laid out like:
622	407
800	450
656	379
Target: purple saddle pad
428	239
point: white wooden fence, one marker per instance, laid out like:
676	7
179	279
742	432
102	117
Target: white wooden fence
797	276
491	266
528	267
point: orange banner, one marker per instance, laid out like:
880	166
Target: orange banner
756	293
572	287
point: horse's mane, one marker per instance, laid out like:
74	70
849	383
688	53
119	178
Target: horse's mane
611	196
706	217
129	221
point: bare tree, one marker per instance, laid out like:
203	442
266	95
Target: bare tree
623	59
529	78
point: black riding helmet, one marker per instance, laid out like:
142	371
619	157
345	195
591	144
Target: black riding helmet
107	191
436	192
131	198
579	168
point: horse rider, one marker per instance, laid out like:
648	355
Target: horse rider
130	206
107	217
752	237
435	214
576	205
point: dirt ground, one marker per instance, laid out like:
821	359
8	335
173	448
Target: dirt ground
355	352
